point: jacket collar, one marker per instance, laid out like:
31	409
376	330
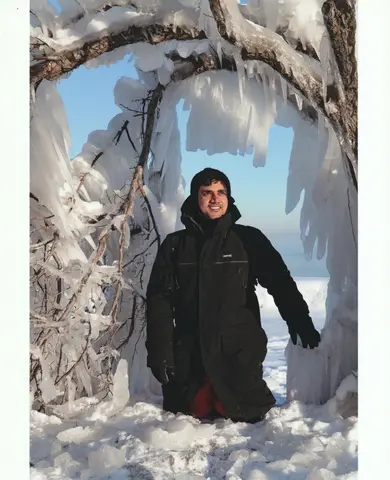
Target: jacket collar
193	219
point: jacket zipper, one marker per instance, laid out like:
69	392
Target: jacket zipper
199	300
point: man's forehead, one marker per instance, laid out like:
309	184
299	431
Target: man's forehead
216	184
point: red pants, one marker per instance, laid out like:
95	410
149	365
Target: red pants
205	401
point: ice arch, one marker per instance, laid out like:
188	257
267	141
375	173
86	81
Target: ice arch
93	242
231	114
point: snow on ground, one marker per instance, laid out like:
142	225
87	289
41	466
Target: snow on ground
143	442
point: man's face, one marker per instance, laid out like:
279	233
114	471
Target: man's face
213	200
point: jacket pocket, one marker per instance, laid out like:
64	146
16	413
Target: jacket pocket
244	333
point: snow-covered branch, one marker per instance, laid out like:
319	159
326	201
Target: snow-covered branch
58	63
137	181
259	43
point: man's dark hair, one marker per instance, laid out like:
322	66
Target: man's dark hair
206	177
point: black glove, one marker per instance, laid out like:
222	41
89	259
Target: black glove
163	373
307	333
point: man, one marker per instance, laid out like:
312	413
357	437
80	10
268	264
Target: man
205	342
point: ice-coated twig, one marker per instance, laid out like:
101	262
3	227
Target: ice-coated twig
116	139
128	205
79	358
36	246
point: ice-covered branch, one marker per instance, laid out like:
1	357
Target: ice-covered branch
128	205
126	208
259	43
206	62
99	155
56	64
38	245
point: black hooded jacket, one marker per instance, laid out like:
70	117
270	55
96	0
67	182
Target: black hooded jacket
203	315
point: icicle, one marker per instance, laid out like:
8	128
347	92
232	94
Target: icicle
298	99
324	61
321	126
248	125
283	85
219	51
271	85
240	72
249	66
121	393
264	79
71	391
207	22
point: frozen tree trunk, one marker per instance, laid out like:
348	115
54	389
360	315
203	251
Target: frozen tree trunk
340	21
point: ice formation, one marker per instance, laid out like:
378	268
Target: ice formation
229	112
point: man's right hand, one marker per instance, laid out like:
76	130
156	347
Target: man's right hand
163	373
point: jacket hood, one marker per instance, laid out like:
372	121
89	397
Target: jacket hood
193	219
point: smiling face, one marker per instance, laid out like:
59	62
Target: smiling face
213	200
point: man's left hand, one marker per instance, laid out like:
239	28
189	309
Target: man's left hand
308	335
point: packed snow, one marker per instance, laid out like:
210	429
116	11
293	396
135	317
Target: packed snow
139	440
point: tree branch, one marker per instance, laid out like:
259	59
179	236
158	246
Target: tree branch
149	207
206	62
258	43
128	205
58	380
36	246
83	283
98	155
66	61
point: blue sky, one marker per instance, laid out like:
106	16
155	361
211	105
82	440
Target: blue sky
259	192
